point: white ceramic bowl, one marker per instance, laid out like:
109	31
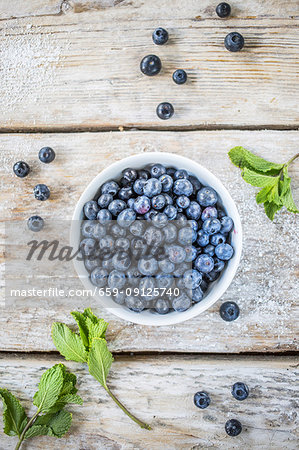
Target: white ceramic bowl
216	290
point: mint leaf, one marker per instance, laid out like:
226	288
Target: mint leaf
96	330
99	361
14	416
91	315
83	329
36	430
262	195
271	209
288	202
68	343
242	158
57	424
49	389
257	179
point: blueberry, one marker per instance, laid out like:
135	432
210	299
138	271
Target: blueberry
180	174
211	226
193	211
152	187
224	251
91	210
166	182
180	270
212	276
35	223
116	279
168	199
160	220
197	294
130	174
133	276
166	266
170	171
150	215
160	36
110	187
162	306
234	42
117	231
223	10
217	239
209	213
150	65
176	254
164	280
204	263
148	266
207	196
179	76
125	193
137	228
142	204
91	264
186	236
226	224
88	246
147	284
202	400
42	192
165	110
104	200
119	297
158	201
131	202
193	224
144	174
21	169
240	391
46	155
181	303
157	170
181	220
122	244
106	244
134	304
171	212
183	201
99	277
192	279
116	207
138	247
170	233
218	265
126	218
229	311
153	236
202	238
182	186
107	264
195	183
191	253
209	249
139	185
97	231
233	427
121	260
124	182
104	216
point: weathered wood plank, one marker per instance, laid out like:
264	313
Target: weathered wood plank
265	286
82	70
160	390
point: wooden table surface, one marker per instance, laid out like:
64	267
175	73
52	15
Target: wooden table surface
70	79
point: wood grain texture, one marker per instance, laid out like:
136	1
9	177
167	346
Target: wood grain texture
160	390
266	284
79	68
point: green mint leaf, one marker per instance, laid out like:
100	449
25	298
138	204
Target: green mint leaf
96	330
91	315
36	430
288	202
242	158
273	195
58	423
68	343
69	382
99	361
262	195
257	179
271	209
83	329
49	388
14	416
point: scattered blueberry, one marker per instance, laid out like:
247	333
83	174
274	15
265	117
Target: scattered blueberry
233	427
234	42
223	10
35	223
240	391
160	36
41	192
165	110
202	400
21	169
46	155
179	76
150	65
229	311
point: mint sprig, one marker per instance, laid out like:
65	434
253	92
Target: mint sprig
56	390
271	177
90	346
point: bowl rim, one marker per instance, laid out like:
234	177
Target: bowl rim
140	160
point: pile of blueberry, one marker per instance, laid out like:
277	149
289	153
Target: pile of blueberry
41	191
156	238
151	64
239	391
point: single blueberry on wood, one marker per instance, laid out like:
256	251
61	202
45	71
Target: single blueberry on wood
35	223
165	110
160	36
223	10
150	65
21	169
202	400
179	76
229	311
233	427
46	155
234	42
